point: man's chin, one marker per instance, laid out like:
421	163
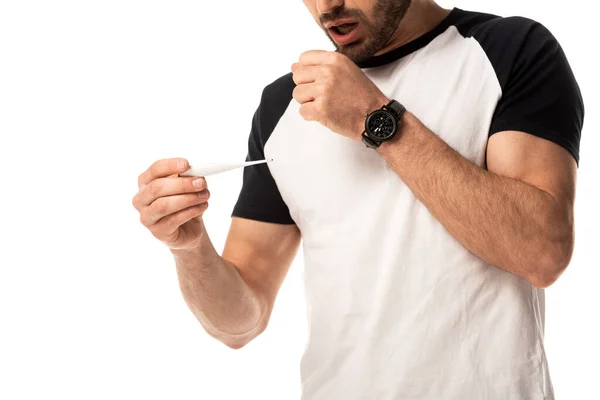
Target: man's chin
354	51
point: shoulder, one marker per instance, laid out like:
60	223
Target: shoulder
279	90
274	101
489	27
510	43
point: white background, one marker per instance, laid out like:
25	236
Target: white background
92	92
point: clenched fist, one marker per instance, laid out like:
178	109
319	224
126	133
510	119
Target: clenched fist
333	91
170	206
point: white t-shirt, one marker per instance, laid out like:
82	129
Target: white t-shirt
398	308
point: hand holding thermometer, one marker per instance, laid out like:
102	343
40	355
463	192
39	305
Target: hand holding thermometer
216	168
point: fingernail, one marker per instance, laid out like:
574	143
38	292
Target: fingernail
198	182
181	164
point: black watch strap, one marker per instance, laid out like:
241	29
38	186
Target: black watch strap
396	108
370	143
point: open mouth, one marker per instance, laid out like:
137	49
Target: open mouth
345	33
344	29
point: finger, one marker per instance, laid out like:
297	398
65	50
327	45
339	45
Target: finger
170	205
295	66
306	74
169	186
168	225
305	93
318	57
308	111
163	168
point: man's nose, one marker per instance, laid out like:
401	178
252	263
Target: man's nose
325	6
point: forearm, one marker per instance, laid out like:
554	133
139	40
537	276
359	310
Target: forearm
226	306
507	223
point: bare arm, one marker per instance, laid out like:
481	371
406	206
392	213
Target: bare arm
232	296
517	215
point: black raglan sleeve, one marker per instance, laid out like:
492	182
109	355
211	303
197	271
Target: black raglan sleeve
540	95
259	198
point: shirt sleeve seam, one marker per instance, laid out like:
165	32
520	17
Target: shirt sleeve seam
248	213
535	130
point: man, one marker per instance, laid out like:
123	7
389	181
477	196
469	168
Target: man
436	207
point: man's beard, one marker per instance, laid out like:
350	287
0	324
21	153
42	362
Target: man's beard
387	15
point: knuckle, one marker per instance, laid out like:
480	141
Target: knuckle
302	112
135	201
156	230
156	164
151	189
154	189
159	207
144	218
306	113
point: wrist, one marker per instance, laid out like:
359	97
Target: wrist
185	251
193	249
378	102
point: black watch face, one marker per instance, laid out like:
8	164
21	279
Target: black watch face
381	125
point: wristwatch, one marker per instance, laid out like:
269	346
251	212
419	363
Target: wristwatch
382	125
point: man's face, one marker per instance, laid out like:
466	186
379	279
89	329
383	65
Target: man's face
358	28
